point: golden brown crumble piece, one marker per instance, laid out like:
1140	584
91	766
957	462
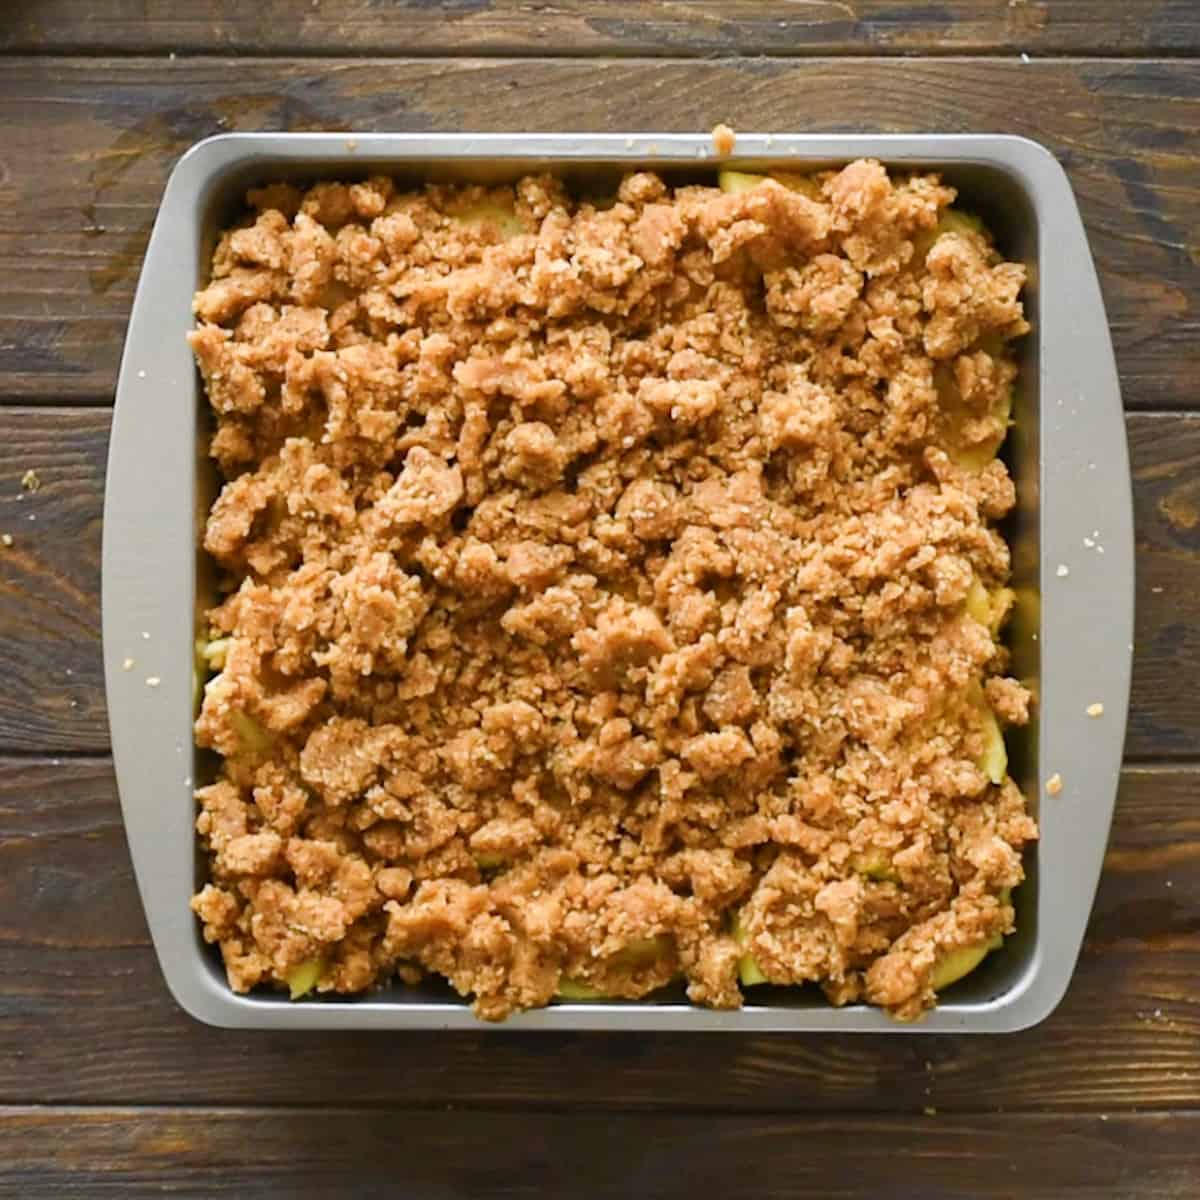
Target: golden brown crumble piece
723	139
610	589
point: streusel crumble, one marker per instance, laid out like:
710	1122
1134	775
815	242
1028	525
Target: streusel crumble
612	590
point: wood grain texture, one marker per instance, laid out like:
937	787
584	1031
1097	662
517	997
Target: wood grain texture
459	1155
85	1016
52	689
1165	711
112	1090
89	142
685	28
53	697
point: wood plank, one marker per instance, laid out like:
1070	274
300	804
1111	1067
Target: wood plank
53	697
335	1152
89	142
689	28
1165	708
85	1016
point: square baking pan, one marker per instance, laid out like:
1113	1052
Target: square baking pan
1071	636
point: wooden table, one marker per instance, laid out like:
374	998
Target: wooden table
108	1088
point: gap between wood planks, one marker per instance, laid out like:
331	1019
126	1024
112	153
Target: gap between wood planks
555	1107
564	54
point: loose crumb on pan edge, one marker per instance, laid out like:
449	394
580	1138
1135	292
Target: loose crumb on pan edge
723	139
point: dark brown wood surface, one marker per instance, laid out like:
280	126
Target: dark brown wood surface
677	28
74	952
106	1088
88	143
325	1152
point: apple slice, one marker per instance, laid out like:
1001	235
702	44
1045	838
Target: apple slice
961	962
738	181
207	659
640	952
572	989
993	761
951	220
500	214
875	866
794	181
214	652
957	963
989	608
954	414
251	734
749	972
303	978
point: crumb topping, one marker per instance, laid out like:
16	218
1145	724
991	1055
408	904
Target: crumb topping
600	589
723	139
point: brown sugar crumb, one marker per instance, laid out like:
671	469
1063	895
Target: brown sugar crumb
31	481
609	592
1054	785
723	139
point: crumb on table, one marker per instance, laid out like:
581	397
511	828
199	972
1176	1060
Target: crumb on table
1054	785
31	481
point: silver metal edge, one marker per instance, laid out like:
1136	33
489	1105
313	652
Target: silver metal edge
148	583
1086	627
1087	616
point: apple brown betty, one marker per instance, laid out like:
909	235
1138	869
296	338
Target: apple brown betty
610	589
